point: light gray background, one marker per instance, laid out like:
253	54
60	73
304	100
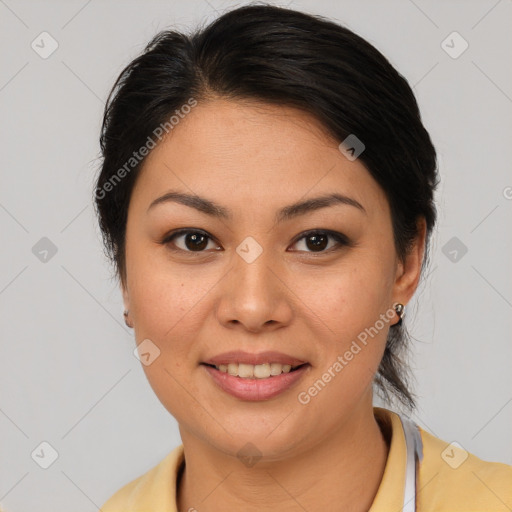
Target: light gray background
67	372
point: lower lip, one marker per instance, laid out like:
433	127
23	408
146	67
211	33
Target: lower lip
256	389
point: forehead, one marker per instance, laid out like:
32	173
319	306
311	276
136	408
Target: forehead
249	151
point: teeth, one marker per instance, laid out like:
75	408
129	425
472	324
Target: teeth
245	371
258	371
262	371
276	369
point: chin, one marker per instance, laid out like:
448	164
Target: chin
270	438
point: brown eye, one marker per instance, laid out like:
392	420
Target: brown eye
190	241
319	241
196	241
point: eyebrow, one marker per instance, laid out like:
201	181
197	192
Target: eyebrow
288	212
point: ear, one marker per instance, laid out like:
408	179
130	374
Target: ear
126	300
126	295
409	270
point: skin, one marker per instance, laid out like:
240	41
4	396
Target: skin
253	159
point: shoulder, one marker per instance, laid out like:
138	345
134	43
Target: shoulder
155	490
452	479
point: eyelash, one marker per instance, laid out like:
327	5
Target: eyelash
340	238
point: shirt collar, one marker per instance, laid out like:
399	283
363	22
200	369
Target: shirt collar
390	495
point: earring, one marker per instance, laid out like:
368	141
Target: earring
400	311
125	314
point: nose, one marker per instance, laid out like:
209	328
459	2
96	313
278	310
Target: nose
254	296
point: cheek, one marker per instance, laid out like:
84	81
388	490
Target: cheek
351	296
349	351
166	307
351	307
163	296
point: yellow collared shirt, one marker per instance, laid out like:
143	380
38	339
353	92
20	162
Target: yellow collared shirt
449	479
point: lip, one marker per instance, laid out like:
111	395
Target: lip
239	356
256	389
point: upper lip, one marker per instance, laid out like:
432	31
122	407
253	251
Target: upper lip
239	356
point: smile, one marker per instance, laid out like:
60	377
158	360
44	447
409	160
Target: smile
255	382
257	371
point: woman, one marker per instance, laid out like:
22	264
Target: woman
266	195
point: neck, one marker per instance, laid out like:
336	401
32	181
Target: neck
345	468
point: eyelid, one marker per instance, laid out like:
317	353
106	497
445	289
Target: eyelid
183	231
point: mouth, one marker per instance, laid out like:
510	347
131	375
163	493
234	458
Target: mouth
255	377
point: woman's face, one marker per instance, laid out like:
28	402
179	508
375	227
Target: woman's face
243	276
